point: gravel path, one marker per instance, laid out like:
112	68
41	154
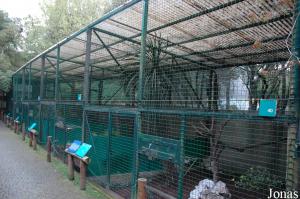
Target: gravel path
25	175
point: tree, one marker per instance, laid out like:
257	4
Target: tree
113	4
10	57
60	19
63	17
34	40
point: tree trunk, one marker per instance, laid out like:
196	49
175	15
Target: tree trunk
252	90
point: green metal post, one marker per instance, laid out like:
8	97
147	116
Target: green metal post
14	94
57	73
56	87
41	98
296	45
86	84
110	125
23	94
135	166
181	159
138	121
143	60
29	83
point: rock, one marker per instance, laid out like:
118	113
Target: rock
207	189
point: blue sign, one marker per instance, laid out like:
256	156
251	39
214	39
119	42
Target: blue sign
83	150
74	146
79	97
267	107
33	125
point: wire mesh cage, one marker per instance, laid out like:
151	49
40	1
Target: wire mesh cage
199	98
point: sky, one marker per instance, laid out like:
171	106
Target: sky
21	8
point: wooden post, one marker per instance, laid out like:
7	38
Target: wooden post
70	167
34	141
142	194
30	139
15	126
11	123
6	121
23	131
82	175
49	148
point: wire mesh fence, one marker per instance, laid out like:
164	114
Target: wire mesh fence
200	98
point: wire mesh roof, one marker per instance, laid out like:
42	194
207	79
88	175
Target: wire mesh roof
204	33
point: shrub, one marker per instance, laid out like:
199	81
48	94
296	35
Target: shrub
259	179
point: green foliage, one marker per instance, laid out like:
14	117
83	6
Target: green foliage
63	17
259	179
34	41
10	57
113	4
60	19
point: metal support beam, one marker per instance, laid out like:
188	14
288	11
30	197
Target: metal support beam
41	96
29	83
260	23
23	93
86	81
74	35
296	49
139	43
107	49
109	150
181	162
42	78
138	120
219	7
272	39
87	68
57	73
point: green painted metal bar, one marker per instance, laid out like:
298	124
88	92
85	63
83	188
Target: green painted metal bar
138	121
13	80
135	166
254	54
56	88
222	6
42	78
107	49
96	22
143	58
284	16
109	150
42	83
282	37
87	68
29	82
245	115
209	58
62	60
296	49
86	81
60	75
57	73
23	94
181	162
139	43
201	13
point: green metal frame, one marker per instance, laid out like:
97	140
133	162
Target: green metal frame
136	112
